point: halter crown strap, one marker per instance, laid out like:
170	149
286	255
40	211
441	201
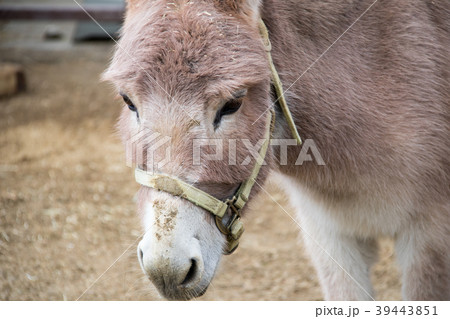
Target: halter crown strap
277	83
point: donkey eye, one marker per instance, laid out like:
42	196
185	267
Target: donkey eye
232	106
130	104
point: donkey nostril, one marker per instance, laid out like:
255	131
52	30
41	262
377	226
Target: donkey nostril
141	258
191	273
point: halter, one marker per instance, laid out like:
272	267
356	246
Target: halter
234	227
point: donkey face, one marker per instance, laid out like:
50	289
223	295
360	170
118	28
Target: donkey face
189	71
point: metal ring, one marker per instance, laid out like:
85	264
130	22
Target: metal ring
221	226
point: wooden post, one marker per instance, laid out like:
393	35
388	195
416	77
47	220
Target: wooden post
12	79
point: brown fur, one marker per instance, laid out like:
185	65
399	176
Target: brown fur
376	104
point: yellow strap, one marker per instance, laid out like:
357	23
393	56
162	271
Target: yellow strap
182	189
246	187
177	187
277	83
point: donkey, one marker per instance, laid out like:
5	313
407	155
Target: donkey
367	81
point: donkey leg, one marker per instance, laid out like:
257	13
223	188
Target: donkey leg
423	255
342	263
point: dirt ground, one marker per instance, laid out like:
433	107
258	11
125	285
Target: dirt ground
67	217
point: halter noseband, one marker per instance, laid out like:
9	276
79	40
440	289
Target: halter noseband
233	228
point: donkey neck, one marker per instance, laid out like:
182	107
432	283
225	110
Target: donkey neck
300	31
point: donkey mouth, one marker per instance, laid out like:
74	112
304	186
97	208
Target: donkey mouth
184	294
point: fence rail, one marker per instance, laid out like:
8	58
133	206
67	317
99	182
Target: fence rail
62	12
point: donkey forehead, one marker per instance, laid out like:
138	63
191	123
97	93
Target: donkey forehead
190	47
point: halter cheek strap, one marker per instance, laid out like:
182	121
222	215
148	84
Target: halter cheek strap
277	83
233	228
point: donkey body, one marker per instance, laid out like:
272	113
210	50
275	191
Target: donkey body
373	97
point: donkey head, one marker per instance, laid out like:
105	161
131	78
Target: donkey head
190	71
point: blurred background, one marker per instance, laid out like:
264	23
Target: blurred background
68	228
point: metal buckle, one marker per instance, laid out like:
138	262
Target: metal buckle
234	228
226	229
